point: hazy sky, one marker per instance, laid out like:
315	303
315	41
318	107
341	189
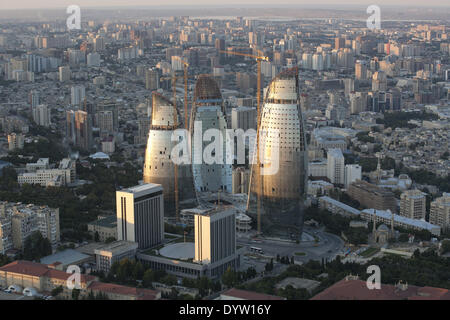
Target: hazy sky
32	4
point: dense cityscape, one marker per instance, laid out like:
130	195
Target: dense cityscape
211	155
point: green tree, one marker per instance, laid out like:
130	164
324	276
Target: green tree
229	278
148	278
55	292
75	294
138	271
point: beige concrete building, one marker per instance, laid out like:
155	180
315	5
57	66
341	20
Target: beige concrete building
215	237
440	211
45	278
413	204
15	141
105	226
371	196
113	252
19	221
140	215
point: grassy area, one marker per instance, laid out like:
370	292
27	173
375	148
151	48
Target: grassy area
369	252
300	254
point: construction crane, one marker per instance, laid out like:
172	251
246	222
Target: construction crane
175	123
258	58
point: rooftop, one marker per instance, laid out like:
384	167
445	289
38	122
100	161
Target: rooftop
140	294
143	188
108	222
247	295
117	247
387	214
357	290
35	269
66	257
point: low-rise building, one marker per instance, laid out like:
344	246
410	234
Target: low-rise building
337	207
106	256
106	227
371	196
386	216
39	173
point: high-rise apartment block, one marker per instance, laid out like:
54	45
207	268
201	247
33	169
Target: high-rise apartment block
413	204
15	141
336	167
19	221
440	211
41	115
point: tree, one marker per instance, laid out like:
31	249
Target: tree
75	294
229	277
445	247
55	292
36	247
138	271
169	280
148	278
96	237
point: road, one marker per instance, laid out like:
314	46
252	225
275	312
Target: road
328	246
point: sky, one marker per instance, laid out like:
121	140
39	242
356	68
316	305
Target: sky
44	4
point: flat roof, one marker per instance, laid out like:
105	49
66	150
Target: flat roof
142	188
108	222
66	257
341	205
118	246
401	219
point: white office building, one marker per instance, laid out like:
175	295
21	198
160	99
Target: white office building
41	115
353	172
140	215
77	95
335	166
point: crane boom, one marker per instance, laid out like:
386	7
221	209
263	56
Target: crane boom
258	58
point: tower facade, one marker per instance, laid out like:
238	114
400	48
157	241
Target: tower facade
140	215
208	112
282	134
158	166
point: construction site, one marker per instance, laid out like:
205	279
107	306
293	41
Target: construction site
274	200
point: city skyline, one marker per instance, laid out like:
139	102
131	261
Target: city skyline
53	4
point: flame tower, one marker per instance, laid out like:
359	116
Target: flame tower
282	134
158	166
